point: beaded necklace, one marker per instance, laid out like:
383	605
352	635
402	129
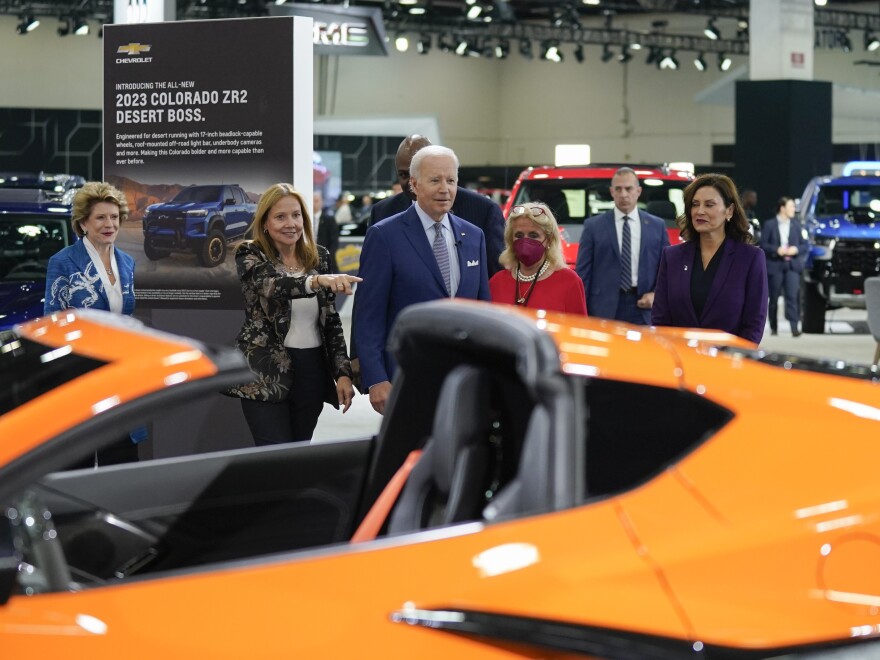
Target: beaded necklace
523	298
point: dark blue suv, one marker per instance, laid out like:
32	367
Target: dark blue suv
842	217
32	229
200	219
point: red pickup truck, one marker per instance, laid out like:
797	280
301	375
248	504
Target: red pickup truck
578	192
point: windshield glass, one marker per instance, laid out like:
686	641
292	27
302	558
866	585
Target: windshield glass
574	200
26	243
199	194
837	200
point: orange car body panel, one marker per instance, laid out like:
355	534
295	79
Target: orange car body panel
136	365
767	535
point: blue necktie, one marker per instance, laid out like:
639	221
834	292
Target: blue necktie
441	254
626	257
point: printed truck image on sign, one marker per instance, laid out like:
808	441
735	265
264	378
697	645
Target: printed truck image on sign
201	220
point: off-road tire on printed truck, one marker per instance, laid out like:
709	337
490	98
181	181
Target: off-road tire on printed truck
213	250
153	253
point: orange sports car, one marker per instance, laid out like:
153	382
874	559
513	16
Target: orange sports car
542	486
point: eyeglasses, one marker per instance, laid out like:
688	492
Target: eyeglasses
534	211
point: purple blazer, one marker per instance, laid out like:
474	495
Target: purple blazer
737	301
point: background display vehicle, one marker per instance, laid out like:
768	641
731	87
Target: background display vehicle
575	193
200	219
32	229
842	217
541	519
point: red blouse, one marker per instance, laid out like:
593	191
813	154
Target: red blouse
563	291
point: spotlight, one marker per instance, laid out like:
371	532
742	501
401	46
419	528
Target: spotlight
625	56
669	62
502	49
845	43
724	62
711	31
654	54
64	26
700	63
742	29
474	12
424	44
27	23
551	52
607	55
444	45
401	43
81	28
579	53
872	42
525	48
462	47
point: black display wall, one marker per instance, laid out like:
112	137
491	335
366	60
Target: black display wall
367	160
783	137
56	141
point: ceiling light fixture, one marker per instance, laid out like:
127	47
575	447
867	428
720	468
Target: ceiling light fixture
502	49
625	56
711	31
27	23
700	63
724	62
401	43
64	26
551	52
872	42
669	61
462	47
579	53
606	55
474	12
81	28
424	44
525	48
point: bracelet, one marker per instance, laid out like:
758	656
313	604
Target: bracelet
314	283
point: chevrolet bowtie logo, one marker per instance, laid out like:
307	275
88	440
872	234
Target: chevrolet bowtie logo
133	49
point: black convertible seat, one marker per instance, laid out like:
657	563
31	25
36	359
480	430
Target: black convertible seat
531	490
449	482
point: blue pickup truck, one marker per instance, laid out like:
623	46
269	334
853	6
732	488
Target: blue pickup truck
32	229
842	216
200	220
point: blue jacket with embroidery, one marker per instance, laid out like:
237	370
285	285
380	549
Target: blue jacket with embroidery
73	281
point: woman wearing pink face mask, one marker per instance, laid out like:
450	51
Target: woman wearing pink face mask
536	274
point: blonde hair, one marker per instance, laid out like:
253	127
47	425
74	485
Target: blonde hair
306	250
546	222
92	193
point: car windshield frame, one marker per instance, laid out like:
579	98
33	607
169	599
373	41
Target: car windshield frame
199	195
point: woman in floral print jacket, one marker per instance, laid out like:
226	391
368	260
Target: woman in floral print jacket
292	336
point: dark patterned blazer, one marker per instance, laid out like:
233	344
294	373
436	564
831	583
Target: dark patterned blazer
267	295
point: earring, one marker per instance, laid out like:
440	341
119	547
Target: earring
265	230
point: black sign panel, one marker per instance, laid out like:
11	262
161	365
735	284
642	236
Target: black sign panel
341	30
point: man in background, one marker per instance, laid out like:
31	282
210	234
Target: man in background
619	255
473	207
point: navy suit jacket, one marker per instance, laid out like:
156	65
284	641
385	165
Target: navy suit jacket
73	281
477	209
399	269
771	241
598	261
737	301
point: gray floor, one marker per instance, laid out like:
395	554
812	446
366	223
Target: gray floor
846	338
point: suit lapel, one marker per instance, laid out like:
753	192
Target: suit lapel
415	234
459	235
611	234
721	275
688	252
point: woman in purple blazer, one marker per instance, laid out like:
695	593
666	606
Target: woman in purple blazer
715	279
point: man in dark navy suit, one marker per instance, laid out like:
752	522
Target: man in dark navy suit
473	207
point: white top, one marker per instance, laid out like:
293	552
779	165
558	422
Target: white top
635	234
784	230
113	291
428	225
303	332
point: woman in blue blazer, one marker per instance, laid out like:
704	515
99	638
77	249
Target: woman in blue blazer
715	279
92	273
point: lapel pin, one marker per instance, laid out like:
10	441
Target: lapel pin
685	267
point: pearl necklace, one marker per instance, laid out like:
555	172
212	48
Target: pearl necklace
533	276
290	270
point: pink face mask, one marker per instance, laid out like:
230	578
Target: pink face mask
528	251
